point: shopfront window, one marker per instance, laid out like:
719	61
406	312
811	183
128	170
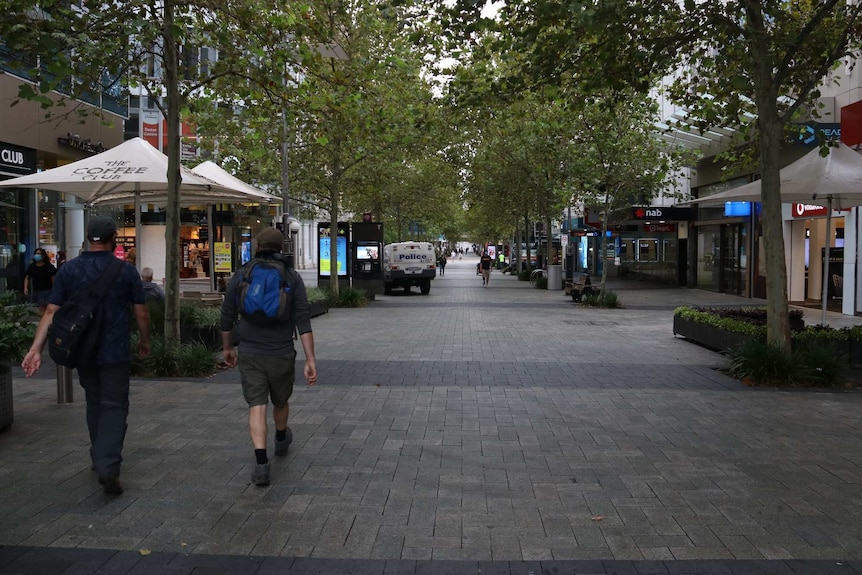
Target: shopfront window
49	228
708	250
12	231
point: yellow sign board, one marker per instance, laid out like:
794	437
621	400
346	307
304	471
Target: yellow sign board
222	257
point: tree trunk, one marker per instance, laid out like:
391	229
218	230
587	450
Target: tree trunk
172	214
777	311
603	245
527	264
335	192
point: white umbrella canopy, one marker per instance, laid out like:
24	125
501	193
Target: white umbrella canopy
833	181
117	175
216	173
810	179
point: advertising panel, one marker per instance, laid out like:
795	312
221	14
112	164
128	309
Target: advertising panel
221	251
326	256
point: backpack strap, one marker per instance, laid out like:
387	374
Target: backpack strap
106	278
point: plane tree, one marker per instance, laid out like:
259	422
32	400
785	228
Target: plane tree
82	48
727	63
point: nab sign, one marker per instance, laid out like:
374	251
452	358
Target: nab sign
661	213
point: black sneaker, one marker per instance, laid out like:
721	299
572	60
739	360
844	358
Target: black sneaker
111	485
282	446
260	474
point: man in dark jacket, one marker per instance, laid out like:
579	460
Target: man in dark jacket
152	290
266	364
106	384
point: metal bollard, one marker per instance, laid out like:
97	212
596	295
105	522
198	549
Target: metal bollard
64	385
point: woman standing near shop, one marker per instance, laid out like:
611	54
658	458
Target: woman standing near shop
39	279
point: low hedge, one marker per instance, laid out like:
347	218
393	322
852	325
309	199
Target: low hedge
752	321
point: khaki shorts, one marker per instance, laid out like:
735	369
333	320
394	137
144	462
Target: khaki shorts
266	377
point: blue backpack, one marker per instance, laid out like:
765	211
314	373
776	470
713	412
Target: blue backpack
265	293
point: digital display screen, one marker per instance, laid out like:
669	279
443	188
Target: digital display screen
326	256
366	253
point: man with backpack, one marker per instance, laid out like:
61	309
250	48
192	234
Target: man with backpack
102	354
269	298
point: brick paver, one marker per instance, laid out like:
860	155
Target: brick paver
492	430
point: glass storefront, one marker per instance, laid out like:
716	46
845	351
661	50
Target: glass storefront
722	258
652	258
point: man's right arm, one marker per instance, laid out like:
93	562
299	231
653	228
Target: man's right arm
33	360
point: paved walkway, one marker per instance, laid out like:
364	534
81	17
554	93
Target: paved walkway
472	430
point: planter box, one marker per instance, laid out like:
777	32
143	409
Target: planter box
6	413
319	308
708	336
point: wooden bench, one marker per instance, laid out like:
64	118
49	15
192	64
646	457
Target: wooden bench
579	287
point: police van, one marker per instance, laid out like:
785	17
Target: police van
407	264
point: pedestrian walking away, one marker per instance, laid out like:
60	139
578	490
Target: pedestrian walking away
106	380
265	321
442	264
485	263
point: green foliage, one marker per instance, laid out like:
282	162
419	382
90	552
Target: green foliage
524	276
541	282
191	316
316	294
825	364
725	323
171	360
17	328
763	363
200	316
607	299
810	364
347	297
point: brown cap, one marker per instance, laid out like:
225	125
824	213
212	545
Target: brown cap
270	239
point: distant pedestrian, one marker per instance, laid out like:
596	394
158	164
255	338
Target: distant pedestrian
442	264
267	358
152	290
39	279
106	383
485	263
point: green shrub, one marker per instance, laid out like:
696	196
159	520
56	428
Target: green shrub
824	364
183	360
202	316
541	282
348	297
316	294
763	363
607	298
17	329
524	276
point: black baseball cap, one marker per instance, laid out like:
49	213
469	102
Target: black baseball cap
101	229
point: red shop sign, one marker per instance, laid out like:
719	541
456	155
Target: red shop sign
659	228
808	210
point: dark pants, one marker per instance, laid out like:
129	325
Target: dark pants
106	388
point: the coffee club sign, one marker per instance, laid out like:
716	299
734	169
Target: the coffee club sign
16	160
111	170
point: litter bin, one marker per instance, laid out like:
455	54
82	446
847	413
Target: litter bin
555	277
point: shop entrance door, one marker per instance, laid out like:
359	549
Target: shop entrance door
732	260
